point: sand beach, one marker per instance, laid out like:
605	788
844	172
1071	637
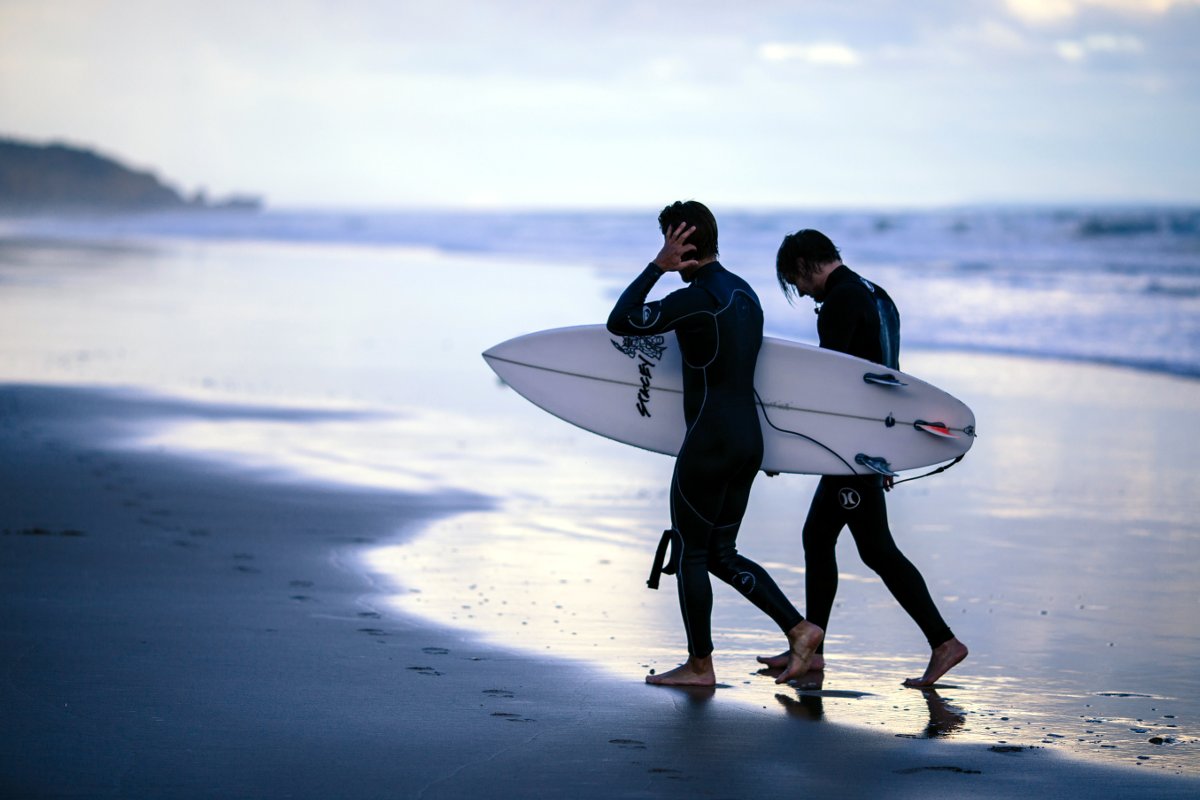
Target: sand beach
270	529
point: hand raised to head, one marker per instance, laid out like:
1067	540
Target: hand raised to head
674	253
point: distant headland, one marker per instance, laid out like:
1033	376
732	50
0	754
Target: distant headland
60	178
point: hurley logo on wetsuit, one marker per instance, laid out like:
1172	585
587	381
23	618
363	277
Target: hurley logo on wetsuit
849	498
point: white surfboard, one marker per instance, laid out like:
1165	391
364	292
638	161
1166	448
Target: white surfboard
822	412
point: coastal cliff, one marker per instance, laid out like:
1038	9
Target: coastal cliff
62	178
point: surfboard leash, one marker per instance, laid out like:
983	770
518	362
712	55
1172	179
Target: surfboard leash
942	468
838	456
833	452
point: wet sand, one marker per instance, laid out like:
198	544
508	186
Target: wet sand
1058	550
317	551
175	628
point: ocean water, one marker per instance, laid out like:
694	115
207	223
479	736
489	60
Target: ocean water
1116	286
1064	550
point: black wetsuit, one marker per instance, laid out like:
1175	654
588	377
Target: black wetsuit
859	318
718	322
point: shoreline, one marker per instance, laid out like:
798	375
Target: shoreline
181	629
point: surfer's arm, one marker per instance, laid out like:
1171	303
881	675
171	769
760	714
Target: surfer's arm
633	316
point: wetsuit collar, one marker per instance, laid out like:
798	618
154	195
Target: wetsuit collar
708	269
840	274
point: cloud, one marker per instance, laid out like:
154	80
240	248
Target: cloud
1076	50
820	53
1043	12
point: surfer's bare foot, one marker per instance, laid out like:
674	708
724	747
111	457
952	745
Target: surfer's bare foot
944	657
780	661
693	672
804	639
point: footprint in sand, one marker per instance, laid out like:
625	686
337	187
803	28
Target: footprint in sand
373	631
435	651
628	744
959	770
44	532
499	693
243	567
369	615
425	671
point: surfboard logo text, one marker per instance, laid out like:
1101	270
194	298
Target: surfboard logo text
643	395
651	346
643	348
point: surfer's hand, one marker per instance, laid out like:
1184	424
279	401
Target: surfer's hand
675	249
888	482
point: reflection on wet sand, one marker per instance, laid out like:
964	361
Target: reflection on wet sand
696	695
808	703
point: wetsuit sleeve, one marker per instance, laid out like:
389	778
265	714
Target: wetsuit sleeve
633	316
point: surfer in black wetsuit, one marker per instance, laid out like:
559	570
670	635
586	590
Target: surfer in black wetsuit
718	322
859	318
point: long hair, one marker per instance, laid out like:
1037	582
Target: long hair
802	254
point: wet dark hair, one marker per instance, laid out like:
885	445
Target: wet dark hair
693	213
802	254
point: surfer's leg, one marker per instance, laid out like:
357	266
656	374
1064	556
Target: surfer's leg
724	561
755	583
757	586
869	526
695	606
822	527
692	513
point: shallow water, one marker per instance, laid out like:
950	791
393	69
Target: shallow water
1064	550
1111	285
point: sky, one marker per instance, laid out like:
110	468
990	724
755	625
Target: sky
624	103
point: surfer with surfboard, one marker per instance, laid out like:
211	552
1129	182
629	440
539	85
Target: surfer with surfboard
857	317
718	322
